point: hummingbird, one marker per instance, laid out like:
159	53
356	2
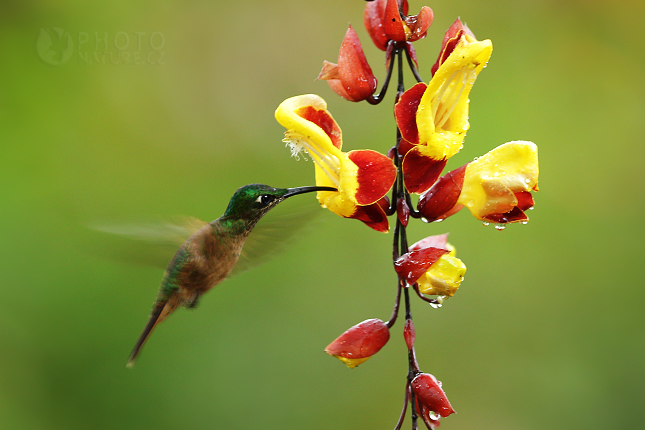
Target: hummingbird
207	257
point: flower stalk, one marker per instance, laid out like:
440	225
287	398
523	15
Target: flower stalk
431	123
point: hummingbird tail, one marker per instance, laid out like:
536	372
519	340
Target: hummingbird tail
152	322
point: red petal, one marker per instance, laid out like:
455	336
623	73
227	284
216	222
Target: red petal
337	86
431	395
392	23
354	71
436	241
420	172
373	215
515	215
376	175
450	39
404	6
443	195
373	20
324	120
405	112
524	200
420	23
405	147
412	265
362	340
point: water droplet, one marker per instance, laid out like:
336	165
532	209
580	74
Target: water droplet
500	227
525	222
484	223
531	208
434	416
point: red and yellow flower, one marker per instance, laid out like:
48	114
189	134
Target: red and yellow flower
432	265
495	187
362	177
433	118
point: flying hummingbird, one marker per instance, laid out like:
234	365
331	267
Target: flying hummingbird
209	255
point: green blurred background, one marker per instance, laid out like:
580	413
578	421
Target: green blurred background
546	330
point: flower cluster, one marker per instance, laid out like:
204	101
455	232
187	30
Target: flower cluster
431	123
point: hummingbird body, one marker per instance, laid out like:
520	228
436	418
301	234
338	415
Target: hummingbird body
209	255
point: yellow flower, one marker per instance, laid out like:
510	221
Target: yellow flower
433	119
361	177
497	186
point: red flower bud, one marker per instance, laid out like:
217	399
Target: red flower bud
352	77
360	342
409	334
383	21
430	396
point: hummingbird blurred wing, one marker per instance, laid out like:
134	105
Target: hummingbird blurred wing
274	233
151	243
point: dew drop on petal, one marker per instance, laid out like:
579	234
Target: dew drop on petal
434	416
500	227
484	223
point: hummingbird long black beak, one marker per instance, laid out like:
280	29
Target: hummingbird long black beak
302	190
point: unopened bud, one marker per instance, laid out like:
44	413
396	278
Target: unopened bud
430	395
360	342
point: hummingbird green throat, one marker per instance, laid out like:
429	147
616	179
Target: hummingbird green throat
209	255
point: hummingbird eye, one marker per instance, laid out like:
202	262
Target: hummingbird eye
265	199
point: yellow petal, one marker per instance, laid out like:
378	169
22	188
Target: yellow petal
342	203
491	181
352	362
442	117
444	276
287	116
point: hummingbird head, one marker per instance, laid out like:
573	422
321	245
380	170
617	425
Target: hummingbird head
252	202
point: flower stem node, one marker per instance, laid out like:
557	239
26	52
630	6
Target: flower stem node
362	177
360	342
